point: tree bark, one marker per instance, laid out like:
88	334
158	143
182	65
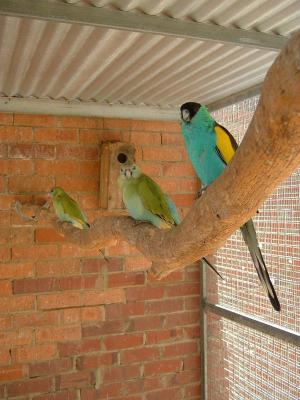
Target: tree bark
268	154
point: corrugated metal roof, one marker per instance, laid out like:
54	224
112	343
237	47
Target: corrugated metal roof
85	64
277	16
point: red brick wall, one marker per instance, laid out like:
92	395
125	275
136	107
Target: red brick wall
73	326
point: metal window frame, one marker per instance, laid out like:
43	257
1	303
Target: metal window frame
275	331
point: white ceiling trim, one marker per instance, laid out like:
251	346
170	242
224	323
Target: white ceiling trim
89	109
57	11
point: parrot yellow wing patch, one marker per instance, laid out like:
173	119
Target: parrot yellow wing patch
226	145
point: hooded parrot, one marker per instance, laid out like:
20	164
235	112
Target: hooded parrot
67	209
211	147
145	201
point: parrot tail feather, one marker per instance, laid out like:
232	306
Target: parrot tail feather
250	238
213	268
265	278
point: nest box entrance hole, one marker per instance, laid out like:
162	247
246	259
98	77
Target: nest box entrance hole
112	157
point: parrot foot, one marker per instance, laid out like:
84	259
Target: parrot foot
201	191
136	223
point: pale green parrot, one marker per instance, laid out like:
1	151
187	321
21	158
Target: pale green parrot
67	209
145	201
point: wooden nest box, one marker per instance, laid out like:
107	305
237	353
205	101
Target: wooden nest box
113	156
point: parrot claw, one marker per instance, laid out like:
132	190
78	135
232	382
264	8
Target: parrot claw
201	191
136	223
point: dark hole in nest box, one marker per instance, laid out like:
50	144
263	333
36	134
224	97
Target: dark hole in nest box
113	156
122	158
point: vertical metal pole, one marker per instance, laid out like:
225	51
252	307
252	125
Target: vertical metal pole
203	335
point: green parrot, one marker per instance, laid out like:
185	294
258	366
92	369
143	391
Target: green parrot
145	201
67	209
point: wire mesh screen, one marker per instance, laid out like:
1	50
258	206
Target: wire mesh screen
246	364
278	228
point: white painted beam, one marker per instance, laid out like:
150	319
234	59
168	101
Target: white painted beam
93	109
62	12
89	109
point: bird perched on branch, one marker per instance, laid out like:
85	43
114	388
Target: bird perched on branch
211	147
67	209
145	201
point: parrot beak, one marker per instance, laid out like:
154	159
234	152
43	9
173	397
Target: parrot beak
128	173
186	115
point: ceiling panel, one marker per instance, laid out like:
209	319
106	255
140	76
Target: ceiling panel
276	16
84	64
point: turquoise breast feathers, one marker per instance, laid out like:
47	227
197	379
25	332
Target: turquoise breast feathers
200	140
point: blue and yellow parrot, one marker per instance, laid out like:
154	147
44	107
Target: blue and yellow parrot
211	147
145	201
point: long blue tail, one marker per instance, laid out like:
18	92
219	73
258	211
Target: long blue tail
249	235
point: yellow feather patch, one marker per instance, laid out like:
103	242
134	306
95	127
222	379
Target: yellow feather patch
224	144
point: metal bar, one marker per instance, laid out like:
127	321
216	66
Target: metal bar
275	331
102	17
203	332
235	98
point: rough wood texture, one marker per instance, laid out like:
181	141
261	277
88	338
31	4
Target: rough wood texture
269	153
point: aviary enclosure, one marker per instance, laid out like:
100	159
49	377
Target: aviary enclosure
124	311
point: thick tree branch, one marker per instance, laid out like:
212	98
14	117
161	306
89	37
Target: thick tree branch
268	154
